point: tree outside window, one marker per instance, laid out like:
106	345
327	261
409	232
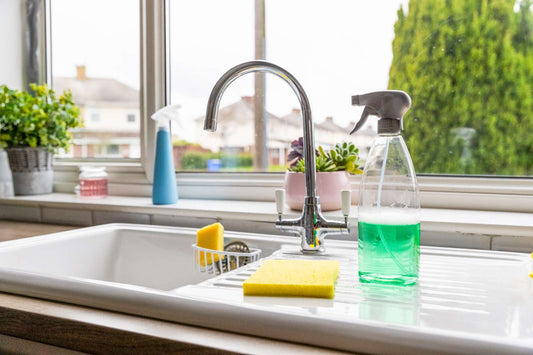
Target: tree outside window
468	66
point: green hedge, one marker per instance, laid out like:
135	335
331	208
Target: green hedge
237	160
198	161
194	161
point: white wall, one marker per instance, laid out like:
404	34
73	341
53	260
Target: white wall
11	66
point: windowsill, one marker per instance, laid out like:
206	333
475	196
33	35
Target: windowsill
436	192
456	228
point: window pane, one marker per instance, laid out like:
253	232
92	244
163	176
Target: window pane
95	54
468	66
203	44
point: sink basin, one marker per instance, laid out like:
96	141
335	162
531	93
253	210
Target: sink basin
466	301
159	258
111	254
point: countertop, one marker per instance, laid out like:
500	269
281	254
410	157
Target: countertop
97	331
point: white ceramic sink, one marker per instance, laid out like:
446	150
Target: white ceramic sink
466	301
115	255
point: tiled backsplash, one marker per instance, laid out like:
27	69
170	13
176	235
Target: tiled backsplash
86	217
68	216
20	213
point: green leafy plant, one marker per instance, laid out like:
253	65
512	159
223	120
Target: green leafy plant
41	120
323	164
343	157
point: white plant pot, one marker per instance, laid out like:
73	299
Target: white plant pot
329	186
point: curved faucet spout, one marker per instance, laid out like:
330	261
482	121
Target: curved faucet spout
210	123
312	227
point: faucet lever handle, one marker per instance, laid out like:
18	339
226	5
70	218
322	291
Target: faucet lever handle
346	197
280	200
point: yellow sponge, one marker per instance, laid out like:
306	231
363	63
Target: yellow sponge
297	278
210	237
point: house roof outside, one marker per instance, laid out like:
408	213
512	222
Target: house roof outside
330	125
243	110
369	131
294	118
87	90
282	130
240	111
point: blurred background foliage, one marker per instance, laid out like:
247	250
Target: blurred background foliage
468	66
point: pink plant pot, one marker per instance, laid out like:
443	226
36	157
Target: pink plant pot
329	186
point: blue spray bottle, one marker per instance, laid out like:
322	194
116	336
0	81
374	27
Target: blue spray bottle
164	189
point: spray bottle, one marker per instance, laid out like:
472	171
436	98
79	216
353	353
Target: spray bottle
164	189
389	201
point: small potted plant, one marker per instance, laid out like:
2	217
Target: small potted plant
333	168
32	129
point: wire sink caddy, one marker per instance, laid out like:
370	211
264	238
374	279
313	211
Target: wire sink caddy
216	262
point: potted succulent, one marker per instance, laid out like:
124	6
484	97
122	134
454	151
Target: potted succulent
333	168
32	129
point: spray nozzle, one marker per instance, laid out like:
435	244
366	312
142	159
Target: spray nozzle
389	106
166	114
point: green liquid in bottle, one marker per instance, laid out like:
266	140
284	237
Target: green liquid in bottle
393	262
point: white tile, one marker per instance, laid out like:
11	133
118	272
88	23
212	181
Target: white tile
455	240
67	216
104	217
351	236
519	244
20	213
251	227
181	221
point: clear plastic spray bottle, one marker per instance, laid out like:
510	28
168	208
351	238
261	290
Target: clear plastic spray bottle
389	201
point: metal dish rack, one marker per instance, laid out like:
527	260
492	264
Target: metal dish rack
218	261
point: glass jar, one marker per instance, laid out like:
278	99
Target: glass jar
93	182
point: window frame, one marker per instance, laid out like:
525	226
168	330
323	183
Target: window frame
43	67
133	177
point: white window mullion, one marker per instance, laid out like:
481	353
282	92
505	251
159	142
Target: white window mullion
153	75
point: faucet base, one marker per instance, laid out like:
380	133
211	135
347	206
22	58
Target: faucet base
319	251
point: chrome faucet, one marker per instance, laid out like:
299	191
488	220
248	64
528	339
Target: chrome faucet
311	226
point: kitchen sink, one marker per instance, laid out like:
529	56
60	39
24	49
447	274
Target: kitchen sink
154	257
466	301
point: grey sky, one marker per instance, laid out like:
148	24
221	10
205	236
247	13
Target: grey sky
335	48
101	34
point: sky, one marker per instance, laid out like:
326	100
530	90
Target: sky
335	48
103	35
